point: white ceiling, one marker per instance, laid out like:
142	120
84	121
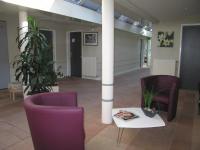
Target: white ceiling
151	10
168	9
157	10
10	9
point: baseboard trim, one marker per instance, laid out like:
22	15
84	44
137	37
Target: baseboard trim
127	71
91	78
116	74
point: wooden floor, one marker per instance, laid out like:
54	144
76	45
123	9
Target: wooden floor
181	134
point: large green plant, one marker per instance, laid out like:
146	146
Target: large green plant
34	64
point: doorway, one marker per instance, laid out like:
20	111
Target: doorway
49	36
4	60
190	55
141	53
75	52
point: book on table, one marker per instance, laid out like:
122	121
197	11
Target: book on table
125	115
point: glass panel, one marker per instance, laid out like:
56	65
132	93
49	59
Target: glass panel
97	7
91	5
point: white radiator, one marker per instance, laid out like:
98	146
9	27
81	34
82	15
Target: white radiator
164	67
89	67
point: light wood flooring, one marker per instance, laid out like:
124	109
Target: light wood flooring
183	133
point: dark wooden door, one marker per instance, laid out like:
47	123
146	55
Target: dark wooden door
190	57
4	60
75	49
49	35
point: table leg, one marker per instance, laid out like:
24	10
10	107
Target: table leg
13	96
10	95
119	136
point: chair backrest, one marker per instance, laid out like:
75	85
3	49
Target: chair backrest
160	82
55	121
55	99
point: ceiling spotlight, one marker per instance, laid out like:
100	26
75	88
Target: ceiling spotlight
136	23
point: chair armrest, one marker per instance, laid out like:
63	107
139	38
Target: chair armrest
143	87
173	101
173	92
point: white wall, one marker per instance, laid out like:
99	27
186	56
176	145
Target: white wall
170	53
127	50
60	48
94	51
59	28
12	24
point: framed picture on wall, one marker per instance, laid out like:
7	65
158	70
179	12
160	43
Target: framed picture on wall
90	38
165	39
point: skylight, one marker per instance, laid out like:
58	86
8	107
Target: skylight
123	18
86	3
91	5
97	7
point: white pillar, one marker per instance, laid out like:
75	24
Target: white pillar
107	59
23	26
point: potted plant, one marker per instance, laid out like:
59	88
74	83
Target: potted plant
33	66
148	99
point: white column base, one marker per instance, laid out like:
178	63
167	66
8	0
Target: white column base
107	112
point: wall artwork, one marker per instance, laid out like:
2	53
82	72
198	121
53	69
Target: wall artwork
90	38
165	39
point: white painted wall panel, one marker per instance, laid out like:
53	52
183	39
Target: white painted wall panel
127	52
164	67
89	68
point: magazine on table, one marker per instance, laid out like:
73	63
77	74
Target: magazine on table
125	115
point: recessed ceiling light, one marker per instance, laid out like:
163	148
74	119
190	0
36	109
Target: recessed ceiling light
136	23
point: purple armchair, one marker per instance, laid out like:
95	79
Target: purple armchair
166	88
55	121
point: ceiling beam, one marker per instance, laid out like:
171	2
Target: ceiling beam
59	7
129	9
134	11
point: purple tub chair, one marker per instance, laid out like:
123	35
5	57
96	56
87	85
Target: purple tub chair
55	121
166	88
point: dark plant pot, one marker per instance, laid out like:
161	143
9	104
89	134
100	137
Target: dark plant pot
149	112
